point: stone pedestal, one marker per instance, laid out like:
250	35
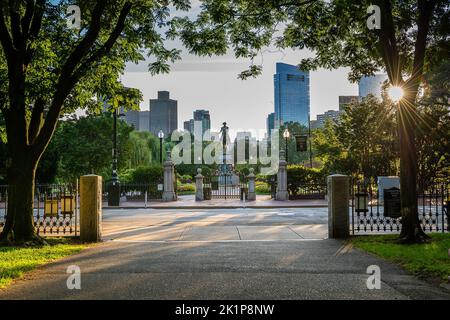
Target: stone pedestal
169	180
251	186
90	208
199	186
282	193
338	206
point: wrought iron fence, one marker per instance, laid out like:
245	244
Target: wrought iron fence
138	192
307	191
299	190
372	213
225	186
55	209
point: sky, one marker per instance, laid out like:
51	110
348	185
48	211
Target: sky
211	83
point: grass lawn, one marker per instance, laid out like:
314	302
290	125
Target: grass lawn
15	261
430	260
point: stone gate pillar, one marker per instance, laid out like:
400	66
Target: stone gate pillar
199	186
91	208
338	187
169	179
282	193
251	185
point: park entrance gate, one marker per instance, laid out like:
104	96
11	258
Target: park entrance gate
225	183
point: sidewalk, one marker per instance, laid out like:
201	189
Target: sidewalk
188	202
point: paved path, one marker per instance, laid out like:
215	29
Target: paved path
149	259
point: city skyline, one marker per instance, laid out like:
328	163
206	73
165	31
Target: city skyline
212	83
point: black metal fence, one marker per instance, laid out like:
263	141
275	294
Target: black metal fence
55	209
225	186
371	212
307	191
137	192
300	190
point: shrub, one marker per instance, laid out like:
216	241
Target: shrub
186	188
262	187
298	174
184	178
147	174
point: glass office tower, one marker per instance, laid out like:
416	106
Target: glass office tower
292	101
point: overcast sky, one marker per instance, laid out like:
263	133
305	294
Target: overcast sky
212	84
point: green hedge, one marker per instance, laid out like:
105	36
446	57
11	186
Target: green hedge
298	174
143	174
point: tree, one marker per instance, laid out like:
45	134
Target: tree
433	129
48	70
413	36
361	142
294	156
85	146
144	149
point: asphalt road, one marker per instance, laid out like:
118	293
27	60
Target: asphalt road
146	258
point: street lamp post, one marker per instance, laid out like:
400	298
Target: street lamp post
310	142
161	137
114	186
286	135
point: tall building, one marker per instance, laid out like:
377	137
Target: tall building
144	121
163	114
132	118
371	85
322	118
270	123
188	125
292	100
204	117
344	100
200	117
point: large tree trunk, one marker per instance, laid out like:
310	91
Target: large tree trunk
411	230
19	225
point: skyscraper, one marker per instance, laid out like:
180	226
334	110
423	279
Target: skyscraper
200	117
292	102
270	123
371	85
344	100
163	114
204	117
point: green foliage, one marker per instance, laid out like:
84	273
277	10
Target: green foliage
433	127
335	31
362	142
185	188
262	187
85	146
184	178
294	156
144	149
425	260
145	174
298	174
